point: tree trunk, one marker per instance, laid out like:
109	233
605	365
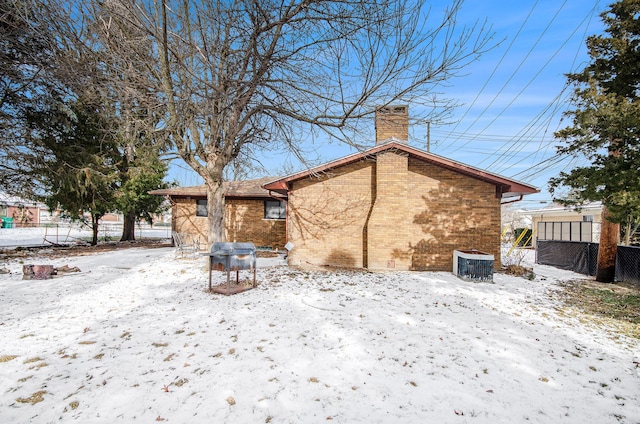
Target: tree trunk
627	232
94	229
129	227
215	211
609	235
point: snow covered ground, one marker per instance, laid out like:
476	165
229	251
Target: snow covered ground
135	337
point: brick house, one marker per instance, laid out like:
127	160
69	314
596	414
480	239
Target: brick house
389	207
393	206
25	212
252	213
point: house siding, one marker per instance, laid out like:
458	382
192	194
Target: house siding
244	221
567	216
395	213
185	220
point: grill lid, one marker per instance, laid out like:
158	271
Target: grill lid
229	248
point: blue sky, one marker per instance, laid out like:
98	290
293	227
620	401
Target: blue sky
511	99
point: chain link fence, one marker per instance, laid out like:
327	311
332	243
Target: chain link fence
582	257
628	264
575	256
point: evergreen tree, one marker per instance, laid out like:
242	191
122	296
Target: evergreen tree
48	59
606	128
134	111
139	175
27	55
77	162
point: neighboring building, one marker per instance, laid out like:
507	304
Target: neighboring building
389	207
558	222
513	219
27	213
112	218
24	212
252	213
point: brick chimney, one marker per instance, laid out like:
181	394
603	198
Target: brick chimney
392	122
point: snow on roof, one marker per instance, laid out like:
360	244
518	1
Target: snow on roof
9	200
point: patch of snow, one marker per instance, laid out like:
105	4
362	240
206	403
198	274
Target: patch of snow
134	336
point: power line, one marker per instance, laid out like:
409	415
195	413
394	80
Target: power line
542	122
495	69
536	75
555	160
514	73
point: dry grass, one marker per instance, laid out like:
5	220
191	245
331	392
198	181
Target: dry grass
614	305
34	398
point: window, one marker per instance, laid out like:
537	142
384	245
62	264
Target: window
201	207
275	209
587	218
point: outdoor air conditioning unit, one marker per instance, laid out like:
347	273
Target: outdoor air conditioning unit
473	265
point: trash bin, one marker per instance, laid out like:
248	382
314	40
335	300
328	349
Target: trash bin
7	222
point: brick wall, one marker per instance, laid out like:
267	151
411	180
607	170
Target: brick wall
327	217
184	219
388	225
397	213
450	211
392	122
244	221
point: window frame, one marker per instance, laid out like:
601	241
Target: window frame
587	218
199	208
282	213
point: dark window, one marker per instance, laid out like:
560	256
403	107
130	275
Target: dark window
201	207
275	209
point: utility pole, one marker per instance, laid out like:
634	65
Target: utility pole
428	136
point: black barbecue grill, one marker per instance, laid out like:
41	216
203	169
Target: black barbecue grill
227	256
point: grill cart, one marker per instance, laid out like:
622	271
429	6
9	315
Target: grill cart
227	256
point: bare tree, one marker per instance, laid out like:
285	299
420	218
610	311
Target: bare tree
249	74
135	111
